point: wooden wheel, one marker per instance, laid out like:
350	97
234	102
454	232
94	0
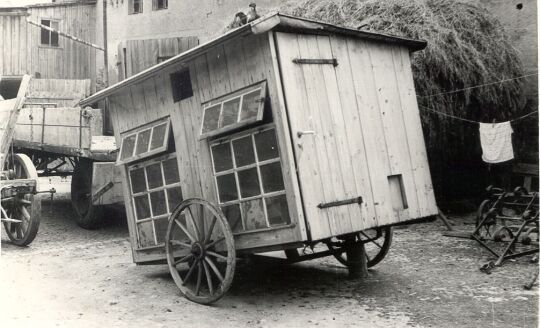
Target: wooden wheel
24	208
490	225
377	243
200	251
87	215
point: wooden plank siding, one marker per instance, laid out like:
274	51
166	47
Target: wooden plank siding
142	54
21	51
213	74
366	132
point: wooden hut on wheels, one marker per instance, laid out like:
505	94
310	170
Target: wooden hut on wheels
299	131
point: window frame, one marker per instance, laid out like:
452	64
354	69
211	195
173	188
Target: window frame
50	33
263	196
150	152
228	97
131	8
156	2
147	192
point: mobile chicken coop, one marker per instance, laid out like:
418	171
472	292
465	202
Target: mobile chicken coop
282	133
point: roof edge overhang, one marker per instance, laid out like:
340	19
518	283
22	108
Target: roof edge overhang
273	21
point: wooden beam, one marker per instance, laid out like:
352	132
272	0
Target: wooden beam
68	36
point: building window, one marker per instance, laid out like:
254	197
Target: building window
159	4
181	85
155	192
145	141
249	181
135	6
49	38
233	111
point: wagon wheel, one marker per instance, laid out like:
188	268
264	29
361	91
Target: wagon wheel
26	208
489	226
200	251
87	215
377	243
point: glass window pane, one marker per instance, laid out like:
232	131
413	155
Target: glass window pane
158	136
161	229
243	151
174	196
230	112
266	143
146	234
128	144
211	118
143	140
227	188
54	35
222	157
157	199
138	181
232	213
278	211
170	169
249	182
142	207
153	173
250	105
272	177
254	214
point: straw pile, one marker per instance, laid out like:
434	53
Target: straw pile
467	46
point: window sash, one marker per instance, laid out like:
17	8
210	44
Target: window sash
159	4
137	133
135	6
239	122
49	38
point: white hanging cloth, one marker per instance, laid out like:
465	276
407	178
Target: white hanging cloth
496	141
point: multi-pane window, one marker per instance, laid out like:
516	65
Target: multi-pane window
249	180
235	110
145	141
49	38
135	6
159	4
155	192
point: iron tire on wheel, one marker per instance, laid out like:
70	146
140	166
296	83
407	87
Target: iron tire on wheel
88	215
26	208
202	271
376	249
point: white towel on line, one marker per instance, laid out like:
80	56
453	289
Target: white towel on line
496	141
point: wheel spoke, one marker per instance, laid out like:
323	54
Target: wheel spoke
192	217
25	213
184	259
215	242
371	241
25	201
203	218
190	271
208	278
209	235
184	229
214	268
199	276
180	243
19	231
216	255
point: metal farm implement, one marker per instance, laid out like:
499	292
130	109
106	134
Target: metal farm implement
510	218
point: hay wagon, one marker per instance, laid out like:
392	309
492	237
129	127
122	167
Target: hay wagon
20	207
280	134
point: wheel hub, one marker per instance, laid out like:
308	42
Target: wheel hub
197	250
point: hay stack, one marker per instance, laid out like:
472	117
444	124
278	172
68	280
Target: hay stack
466	47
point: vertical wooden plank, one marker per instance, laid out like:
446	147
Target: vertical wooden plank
2	43
217	69
375	143
153	110
8	46
236	64
354	133
392	120
22	46
413	128
203	78
15	51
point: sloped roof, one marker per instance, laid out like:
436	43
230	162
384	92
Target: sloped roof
274	21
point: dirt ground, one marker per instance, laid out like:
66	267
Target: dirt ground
70	277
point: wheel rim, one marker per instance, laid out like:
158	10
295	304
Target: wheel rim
200	251
376	241
490	226
21	207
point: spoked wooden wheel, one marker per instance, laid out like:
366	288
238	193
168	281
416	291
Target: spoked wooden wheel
200	251
489	227
87	215
377	243
23	208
